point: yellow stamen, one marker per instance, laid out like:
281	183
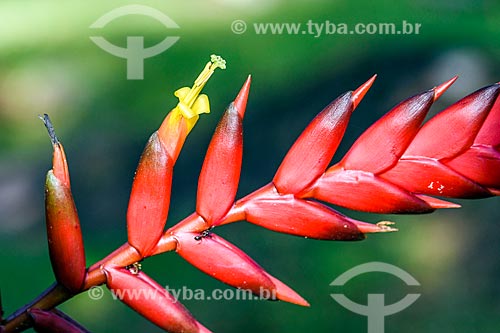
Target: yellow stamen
189	98
191	103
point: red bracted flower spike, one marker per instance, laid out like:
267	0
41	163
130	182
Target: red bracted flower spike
218	182
151	300
391	168
227	263
66	250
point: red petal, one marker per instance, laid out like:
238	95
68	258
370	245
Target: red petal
151	300
225	262
381	145
362	191
218	182
480	164
313	150
429	176
150	197
289	215
453	130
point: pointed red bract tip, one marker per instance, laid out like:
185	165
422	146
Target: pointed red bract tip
359	93
60	164
494	191
437	203
439	90
240	102
203	329
285	293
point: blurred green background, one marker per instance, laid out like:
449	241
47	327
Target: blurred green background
48	64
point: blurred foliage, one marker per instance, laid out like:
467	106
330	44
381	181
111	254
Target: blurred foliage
49	65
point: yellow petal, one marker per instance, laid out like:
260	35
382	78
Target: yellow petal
201	105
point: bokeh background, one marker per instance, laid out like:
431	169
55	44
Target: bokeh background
49	65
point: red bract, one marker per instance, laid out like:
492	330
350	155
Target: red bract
227	263
432	177
453	130
356	189
396	130
481	162
66	250
148	298
442	155
148	206
489	133
218	182
54	321
305	218
313	150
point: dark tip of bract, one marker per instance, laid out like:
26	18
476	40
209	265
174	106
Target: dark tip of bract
50	128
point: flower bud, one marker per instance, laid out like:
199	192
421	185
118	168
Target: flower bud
65	240
220	174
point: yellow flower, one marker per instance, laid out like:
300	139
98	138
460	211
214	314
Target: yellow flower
181	120
191	103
